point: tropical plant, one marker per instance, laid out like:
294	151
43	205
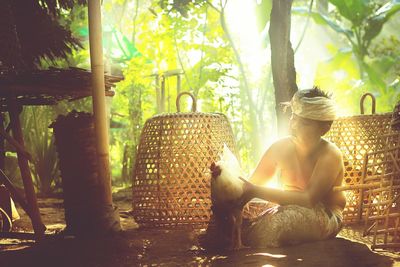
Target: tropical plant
39	141
359	23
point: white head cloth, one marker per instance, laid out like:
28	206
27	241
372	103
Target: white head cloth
315	108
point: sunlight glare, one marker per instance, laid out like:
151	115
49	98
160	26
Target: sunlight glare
274	183
277	256
246	36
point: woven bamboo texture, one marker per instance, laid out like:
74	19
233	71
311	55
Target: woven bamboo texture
381	201
356	136
171	178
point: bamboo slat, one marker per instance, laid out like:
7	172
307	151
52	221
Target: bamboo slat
381	207
357	136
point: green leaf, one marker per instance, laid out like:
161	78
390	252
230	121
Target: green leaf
389	9
373	28
83	31
383	64
375	77
322	20
354	10
130	47
375	23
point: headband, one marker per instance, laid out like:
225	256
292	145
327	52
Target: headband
315	108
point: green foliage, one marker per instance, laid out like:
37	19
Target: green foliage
40	143
131	106
194	43
148	41
354	10
360	22
263	12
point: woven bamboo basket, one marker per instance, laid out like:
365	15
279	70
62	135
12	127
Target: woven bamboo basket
171	177
381	200
356	136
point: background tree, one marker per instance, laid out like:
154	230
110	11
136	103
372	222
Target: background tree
143	40
284	73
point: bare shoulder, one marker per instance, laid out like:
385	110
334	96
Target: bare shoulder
332	152
281	146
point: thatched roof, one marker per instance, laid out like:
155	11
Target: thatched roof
29	31
46	87
54	6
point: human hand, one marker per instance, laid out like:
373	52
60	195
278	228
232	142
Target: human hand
247	194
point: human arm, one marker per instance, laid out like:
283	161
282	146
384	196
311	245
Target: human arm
325	172
266	167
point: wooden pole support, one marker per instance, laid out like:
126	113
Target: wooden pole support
38	226
98	99
15	144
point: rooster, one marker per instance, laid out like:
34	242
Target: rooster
226	195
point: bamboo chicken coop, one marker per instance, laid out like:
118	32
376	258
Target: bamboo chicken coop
171	183
371	150
171	179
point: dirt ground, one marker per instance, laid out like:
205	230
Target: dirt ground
178	247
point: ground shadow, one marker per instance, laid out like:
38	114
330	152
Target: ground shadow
179	248
335	252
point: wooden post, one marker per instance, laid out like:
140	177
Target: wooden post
158	93
162	100
99	100
178	84
107	217
37	223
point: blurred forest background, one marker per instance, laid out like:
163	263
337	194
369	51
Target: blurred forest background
221	52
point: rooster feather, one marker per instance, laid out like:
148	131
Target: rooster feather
227	186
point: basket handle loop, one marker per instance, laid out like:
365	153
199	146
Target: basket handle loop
178	99
373	102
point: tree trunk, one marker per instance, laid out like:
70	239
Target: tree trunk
282	60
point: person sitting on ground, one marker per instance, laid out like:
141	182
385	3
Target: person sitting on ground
309	167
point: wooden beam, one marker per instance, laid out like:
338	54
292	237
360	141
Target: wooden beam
30	194
20	149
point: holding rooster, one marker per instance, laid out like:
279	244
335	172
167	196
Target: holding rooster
309	167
